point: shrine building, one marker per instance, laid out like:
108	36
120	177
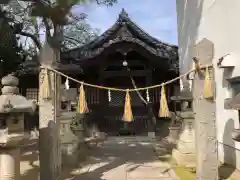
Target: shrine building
124	56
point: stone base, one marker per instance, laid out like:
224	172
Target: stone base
73	153
174	134
9	163
82	151
187	160
151	135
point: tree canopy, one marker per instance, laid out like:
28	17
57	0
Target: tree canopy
24	23
11	52
50	15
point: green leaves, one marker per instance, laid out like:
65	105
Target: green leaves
56	12
78	33
65	3
106	2
10	51
4	1
40	9
59	10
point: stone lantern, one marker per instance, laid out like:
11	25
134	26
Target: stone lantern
185	151
73	147
234	103
12	109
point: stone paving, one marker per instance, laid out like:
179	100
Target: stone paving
124	158
118	158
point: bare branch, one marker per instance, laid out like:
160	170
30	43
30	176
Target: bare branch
72	39
33	37
47	26
71	42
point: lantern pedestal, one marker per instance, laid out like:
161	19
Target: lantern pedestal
68	140
73	148
173	133
11	160
151	135
185	154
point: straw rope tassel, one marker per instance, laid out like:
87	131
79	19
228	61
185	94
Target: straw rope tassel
163	111
82	103
45	91
208	89
128	116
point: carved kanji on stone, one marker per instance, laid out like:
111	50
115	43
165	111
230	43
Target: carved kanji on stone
204	110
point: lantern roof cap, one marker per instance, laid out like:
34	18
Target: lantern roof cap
234	103
10	100
184	95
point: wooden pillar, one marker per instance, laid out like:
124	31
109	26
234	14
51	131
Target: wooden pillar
102	96
152	119
49	145
204	109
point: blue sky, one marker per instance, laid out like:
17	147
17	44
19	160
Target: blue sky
156	17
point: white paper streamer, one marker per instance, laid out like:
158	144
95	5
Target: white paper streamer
148	98
181	84
67	84
109	96
190	82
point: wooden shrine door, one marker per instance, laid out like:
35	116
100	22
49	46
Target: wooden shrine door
114	107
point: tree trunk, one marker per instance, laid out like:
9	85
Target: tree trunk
49	109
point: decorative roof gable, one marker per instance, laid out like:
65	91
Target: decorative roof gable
124	30
125	27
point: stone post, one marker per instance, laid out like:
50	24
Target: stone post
49	110
205	119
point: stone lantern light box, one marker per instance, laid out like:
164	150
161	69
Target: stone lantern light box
185	99
12	109
234	103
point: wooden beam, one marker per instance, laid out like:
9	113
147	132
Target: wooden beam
133	62
125	73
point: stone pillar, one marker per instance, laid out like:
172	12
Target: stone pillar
10	163
205	118
185	154
49	110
